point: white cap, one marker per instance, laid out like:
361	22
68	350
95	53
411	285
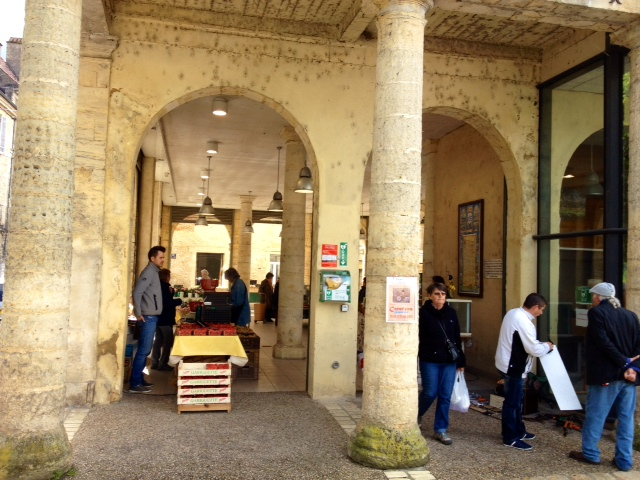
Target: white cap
604	290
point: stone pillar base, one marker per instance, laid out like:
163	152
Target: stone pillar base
379	447
36	455
289	352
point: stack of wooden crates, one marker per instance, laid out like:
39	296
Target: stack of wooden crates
251	345
204	386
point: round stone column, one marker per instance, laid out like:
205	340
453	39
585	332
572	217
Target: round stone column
429	150
33	344
387	435
243	265
146	208
291	297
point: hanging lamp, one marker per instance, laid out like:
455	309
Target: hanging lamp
304	183
248	226
277	204
212	147
219	107
592	183
202	221
363	232
207	204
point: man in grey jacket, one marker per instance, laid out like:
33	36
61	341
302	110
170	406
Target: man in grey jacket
147	304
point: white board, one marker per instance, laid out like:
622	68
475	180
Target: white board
559	381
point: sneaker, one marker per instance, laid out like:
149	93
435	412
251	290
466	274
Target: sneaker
579	456
139	389
519	445
528	436
147	384
443	438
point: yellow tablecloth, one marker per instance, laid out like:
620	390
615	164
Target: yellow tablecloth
204	345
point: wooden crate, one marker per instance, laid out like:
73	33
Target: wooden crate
204	386
251	369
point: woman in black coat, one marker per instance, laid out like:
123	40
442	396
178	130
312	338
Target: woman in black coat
438	323
163	342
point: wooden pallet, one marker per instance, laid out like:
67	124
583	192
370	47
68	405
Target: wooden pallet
206	407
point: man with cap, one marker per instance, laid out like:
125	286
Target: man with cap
613	345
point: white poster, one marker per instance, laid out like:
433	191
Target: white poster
559	381
402	300
582	317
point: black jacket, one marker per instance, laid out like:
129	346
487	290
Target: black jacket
169	304
613	336
433	345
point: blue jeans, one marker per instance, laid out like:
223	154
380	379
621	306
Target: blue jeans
512	425
145	342
600	400
437	382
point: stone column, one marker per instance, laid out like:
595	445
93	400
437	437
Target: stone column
243	263
33	344
630	38
145	209
429	150
387	435
289	344
165	233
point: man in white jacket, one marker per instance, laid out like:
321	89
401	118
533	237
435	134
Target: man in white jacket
517	345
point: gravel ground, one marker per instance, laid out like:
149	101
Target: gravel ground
289	436
266	436
478	453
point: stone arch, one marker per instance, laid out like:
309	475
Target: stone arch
516	229
132	119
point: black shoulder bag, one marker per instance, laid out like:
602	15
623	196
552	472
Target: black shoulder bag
453	351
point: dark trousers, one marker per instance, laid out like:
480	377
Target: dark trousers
162	346
512	425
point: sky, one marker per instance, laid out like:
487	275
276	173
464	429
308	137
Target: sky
11	21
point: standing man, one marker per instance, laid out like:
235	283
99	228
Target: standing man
517	345
147	304
266	288
613	343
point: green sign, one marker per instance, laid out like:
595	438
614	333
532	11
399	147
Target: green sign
583	295
343	254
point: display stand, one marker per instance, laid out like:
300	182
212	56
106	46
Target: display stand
204	386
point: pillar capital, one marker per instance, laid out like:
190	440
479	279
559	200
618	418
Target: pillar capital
397	6
97	45
288	134
628	37
247	198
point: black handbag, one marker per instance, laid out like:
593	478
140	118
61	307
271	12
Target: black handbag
453	351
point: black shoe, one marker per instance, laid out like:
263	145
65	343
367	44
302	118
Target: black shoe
154	367
579	456
147	384
139	389
528	436
165	368
268	321
519	445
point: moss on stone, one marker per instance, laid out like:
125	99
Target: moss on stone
34	457
380	447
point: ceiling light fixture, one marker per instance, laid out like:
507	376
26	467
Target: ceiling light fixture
248	226
219	107
201	189
204	174
277	205
202	221
207	204
304	183
212	147
592	183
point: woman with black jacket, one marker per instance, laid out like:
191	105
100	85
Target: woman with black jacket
166	320
439	327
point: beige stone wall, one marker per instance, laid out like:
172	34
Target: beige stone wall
7	113
580	47
467	169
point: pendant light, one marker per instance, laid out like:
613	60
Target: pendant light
202	221
592	183
207	204
304	183
363	233
276	204
212	147
248	226
219	107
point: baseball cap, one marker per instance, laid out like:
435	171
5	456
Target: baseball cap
604	289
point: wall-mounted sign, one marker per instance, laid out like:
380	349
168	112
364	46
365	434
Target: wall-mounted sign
402	300
493	268
344	254
329	256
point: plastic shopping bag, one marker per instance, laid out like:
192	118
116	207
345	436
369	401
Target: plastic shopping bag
460	397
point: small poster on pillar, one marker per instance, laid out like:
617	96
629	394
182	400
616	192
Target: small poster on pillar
329	256
402	300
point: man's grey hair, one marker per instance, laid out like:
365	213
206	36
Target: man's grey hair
615	303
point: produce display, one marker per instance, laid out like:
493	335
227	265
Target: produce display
205	328
204	386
